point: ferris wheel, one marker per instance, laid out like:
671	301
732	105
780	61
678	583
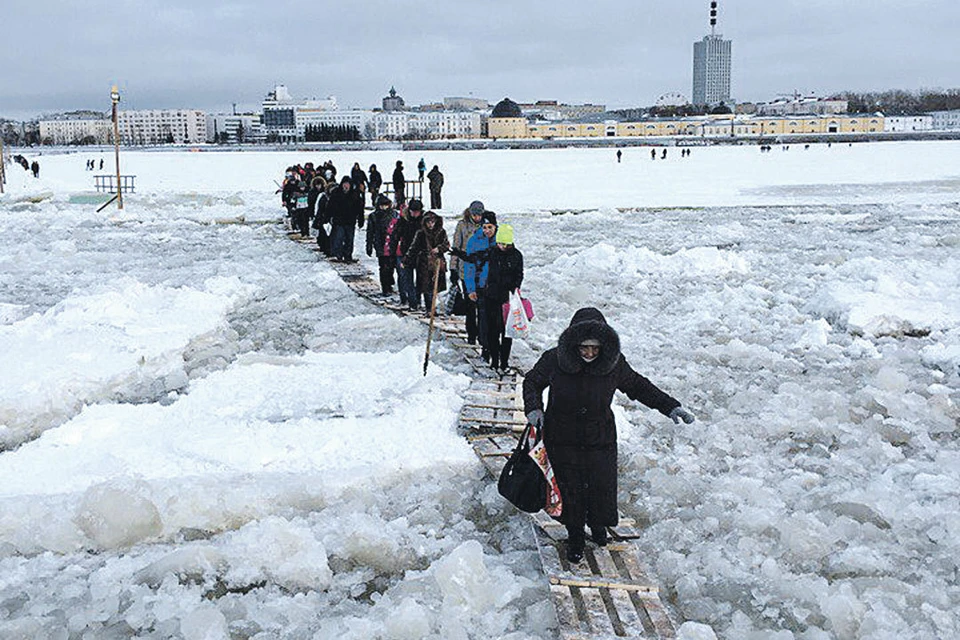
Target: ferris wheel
672	99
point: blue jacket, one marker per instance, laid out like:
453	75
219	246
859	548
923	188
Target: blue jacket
476	266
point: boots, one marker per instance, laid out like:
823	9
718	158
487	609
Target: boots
599	536
575	544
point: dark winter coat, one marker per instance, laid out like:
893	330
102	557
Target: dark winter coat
359	178
376	180
399	183
300	199
579	430
404	231
420	255
288	195
345	208
436	180
378	222
505	274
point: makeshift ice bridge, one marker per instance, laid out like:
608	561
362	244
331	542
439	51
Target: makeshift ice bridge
607	594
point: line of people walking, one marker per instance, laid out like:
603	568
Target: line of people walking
581	373
314	199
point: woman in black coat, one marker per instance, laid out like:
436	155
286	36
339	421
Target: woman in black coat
579	431
504	274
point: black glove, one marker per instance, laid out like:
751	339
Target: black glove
679	414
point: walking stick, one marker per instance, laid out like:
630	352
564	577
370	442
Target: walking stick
433	310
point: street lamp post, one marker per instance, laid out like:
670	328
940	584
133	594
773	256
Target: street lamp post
3	166
115	98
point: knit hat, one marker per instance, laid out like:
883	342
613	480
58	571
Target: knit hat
489	217
476	208
505	234
415	205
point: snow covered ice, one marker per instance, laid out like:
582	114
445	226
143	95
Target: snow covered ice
205	434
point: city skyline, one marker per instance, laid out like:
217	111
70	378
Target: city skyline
174	54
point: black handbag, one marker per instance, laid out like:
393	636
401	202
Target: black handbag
521	481
456	304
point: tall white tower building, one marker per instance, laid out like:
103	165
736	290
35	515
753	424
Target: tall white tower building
711	66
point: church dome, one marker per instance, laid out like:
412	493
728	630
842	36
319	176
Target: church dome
506	108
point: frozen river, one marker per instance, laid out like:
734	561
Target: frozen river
205	434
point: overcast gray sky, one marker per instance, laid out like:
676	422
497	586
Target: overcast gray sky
64	55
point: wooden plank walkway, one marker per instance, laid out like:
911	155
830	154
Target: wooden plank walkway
608	594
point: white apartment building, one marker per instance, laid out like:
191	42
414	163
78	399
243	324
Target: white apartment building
391	125
77	131
945	119
445	124
802	106
908	123
166	126
236	126
358	118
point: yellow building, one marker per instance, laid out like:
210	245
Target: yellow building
507	128
711	126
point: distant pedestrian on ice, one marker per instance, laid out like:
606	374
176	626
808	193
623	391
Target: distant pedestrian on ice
35	168
375	182
653	154
436	184
101	164
579	431
399	185
619	155
359	179
663	156
422	168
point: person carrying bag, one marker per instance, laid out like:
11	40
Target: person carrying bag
517	313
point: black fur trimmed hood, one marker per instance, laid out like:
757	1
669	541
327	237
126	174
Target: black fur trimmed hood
588	323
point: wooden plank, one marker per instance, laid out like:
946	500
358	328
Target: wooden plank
486	447
656	621
629	565
480	420
504	439
626	611
602	584
569	623
600	622
621	609
649	603
490	392
495	407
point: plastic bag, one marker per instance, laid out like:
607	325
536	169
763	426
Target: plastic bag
517	322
